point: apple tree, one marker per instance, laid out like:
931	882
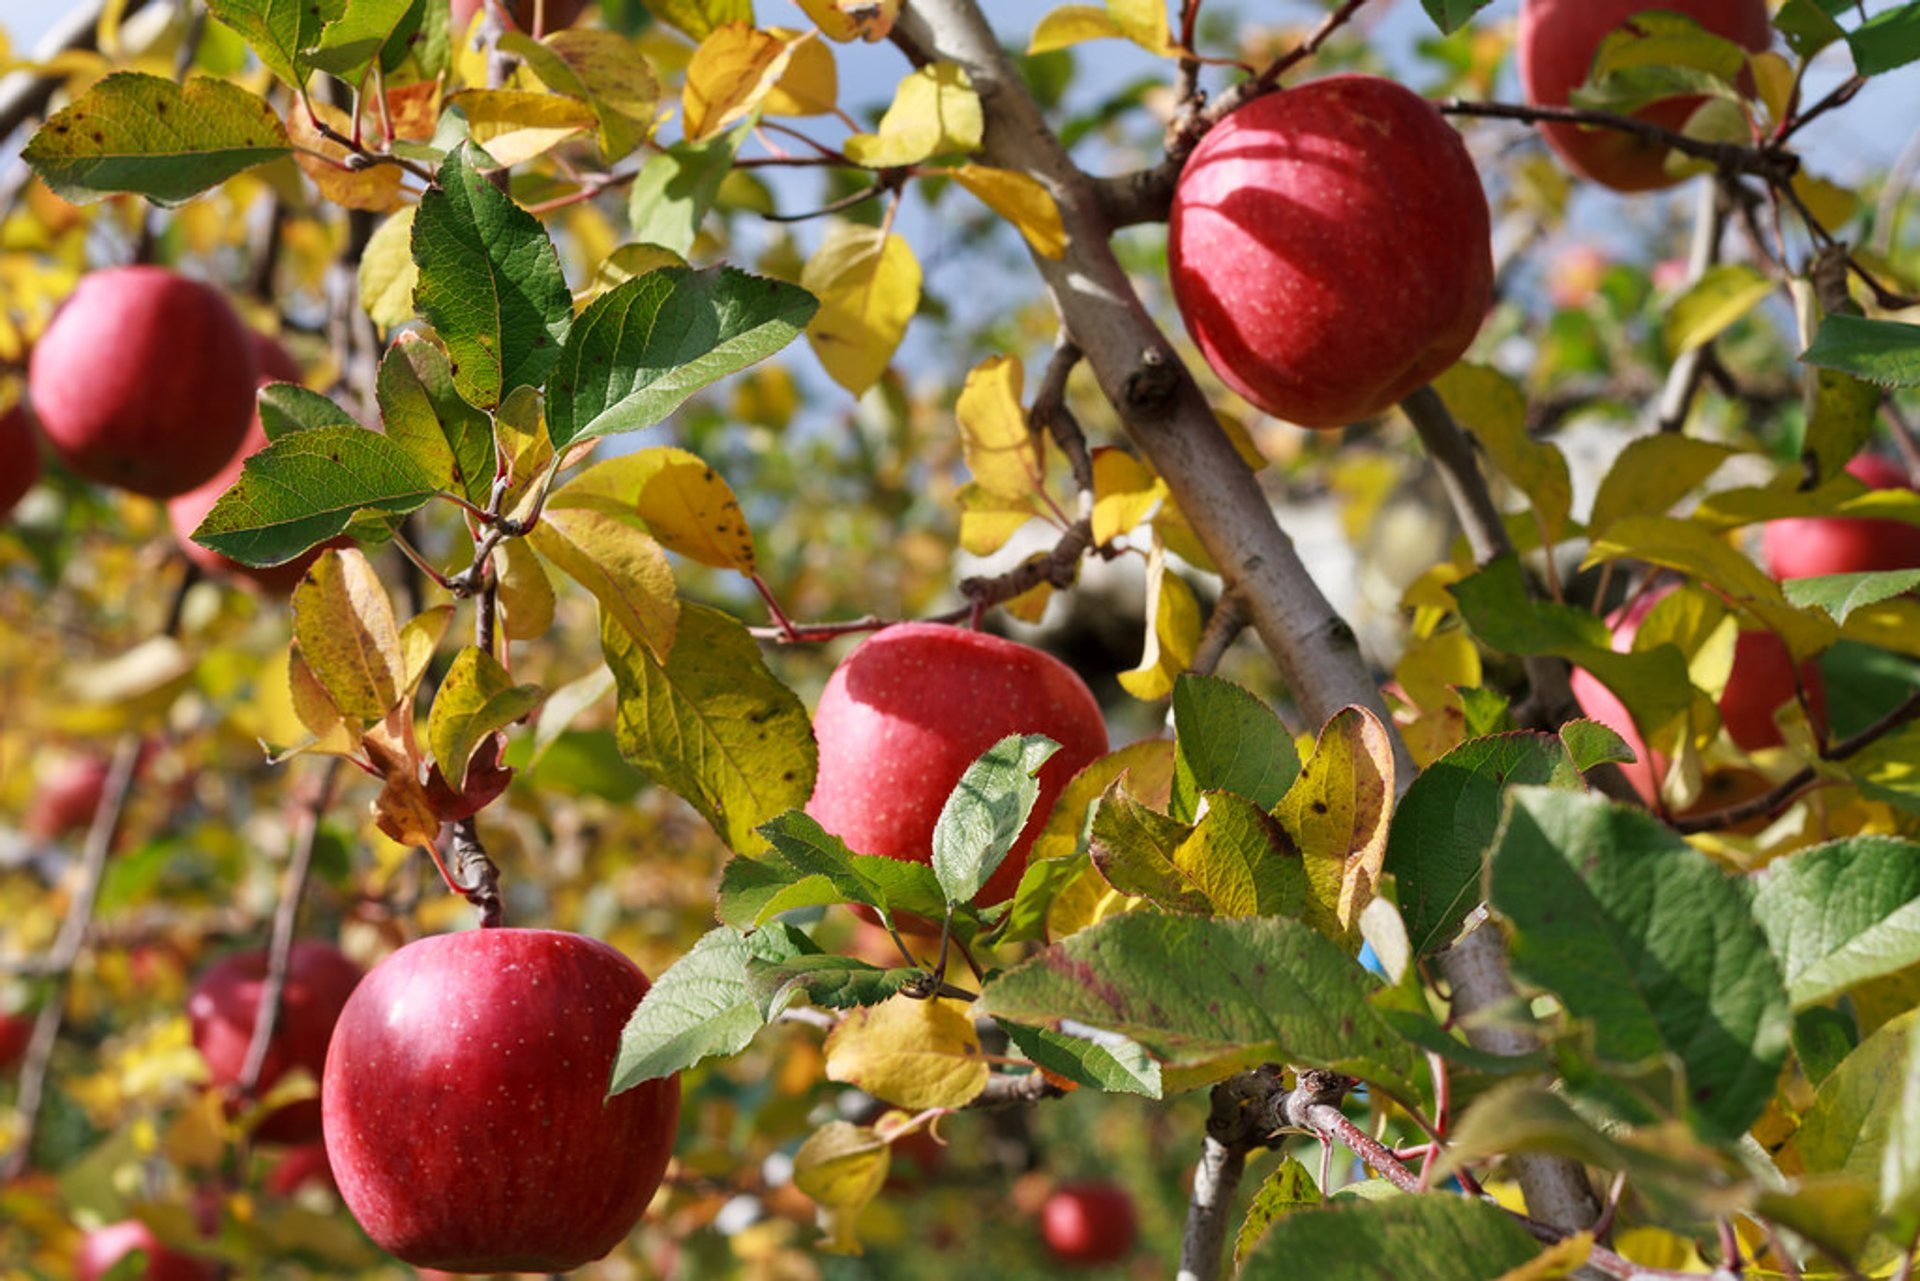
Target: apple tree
496	493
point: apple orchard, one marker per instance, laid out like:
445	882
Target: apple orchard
915	638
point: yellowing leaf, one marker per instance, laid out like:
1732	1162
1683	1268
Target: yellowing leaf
515	126
402	810
1337	812
1125	492
1774	77
811	83
842	1166
388	272
1006	457
1145	23
349	637
623	568
626	262
915	1054
375	188
1173	636
1142	21
476	700
1022	201
673	495
732	72
1489	405
988	520
1832	204
845	20
1561	1259
603	69
868	284
935	112
418	639
526	593
1651	475
1710	304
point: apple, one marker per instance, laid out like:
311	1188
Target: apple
19	457
559	13
1759	682
66	798
300	1167
1329	249
102	1248
226	1000
1807	546
1088	1223
16	1030
466	1109
916	703
1557	42
144	380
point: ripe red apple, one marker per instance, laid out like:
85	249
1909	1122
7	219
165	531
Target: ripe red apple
143	380
102	1248
560	13
298	1167
16	1029
1329	249
1806	546
915	704
19	457
225	1001
1088	1223
1759	682
465	1103
1557	43
66	798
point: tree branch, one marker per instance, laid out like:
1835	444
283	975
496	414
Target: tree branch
1773	166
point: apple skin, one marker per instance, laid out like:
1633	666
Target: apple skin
1329	249
1086	1224
299	1167
465	1110
916	703
560	13
1803	547
225	1001
1557	43
19	457
16	1030
65	801
101	1248
1760	680
143	380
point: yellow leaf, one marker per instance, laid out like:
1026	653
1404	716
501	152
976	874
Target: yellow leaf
935	112
846	20
1171	527
1337	812
1073	24
671	494
732	72
626	262
348	635
914	1054
126	689
811	84
308	697
766	397
515	126
388	273
1561	1259
1172	638
1774	77
1652	474
623	568
1085	901
402	809
1006	457
988	520
1832	204
526	594
375	188
1145	23
1148	765
1432	665
1710	304
842	1166
868	284
1489	405
606	71
1022	201
520	432
1125	492
1030	606
418	639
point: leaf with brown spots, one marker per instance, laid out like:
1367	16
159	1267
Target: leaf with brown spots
1337	812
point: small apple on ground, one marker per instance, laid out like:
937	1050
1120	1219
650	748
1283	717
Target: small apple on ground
465	1109
1804	547
915	704
19	457
1088	1223
1329	249
143	380
1557	43
225	1003
559	13
102	1248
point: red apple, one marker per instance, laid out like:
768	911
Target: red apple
16	1030
226	1000
560	13
1088	1223
1557	43
143	380
1808	546
102	1248
299	1167
915	704
66	798
465	1103
1329	249
19	457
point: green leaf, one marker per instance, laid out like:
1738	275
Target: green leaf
1885	352
1227	740
1452	1238
1196	990
1854	1126
1888	39
350	43
712	723
698	18
288	407
1288	1188
490	283
985	813
132	132
305	488
1111	1063
1437	848
1710	304
647	344
476	699
1645	938
1808	27
1243	862
675	188
1632	88
1591	744
1839	914
701	1006
1134	847
1451	15
450	440
279	31
805	866
603	69
1900	1157
1840	594
833	982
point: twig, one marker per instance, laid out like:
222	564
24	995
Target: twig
1241	1118
479	879
1008	1089
1683	380
1050	413
1057	568
1773	166
1224	625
